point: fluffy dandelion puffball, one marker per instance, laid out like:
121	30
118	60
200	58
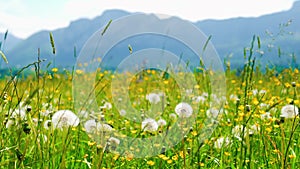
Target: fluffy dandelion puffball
222	142
122	112
199	99
161	122
106	105
214	112
114	141
153	98
289	111
64	118
19	113
237	131
104	128
90	126
184	110
149	125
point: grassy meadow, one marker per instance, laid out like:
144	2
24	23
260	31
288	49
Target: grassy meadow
257	125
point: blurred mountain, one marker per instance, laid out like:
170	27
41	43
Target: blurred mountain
66	40
278	32
10	42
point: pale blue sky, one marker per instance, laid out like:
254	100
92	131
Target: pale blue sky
25	17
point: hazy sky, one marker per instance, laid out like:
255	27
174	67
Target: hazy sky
24	17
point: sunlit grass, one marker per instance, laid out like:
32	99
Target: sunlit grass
254	125
25	142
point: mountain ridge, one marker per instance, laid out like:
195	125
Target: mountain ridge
235	34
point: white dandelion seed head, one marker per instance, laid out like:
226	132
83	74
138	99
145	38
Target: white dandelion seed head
189	91
9	123
90	126
255	92
217	99
27	108
83	114
47	124
113	141
19	114
222	142
183	110
263	105
45	113
161	122
150	125
204	94
35	121
262	92
122	112
266	116
172	116
104	127
43	137
64	118
47	106
289	111
214	112
233	97
153	98
161	94
106	105
199	99
254	129
237	131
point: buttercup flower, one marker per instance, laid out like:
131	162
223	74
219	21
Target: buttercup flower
64	118
183	110
149	125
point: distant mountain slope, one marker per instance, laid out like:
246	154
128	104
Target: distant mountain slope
76	34
10	42
229	37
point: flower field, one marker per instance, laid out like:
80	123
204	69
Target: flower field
52	118
255	124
